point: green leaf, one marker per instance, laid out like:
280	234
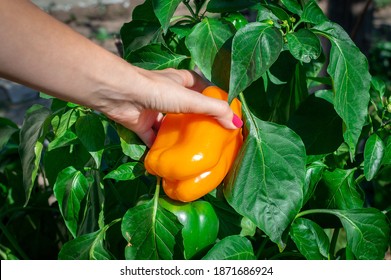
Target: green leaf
349	69
293	6
131	145
182	30
231	248
90	246
266	15
164	10
62	122
304	45
67	138
139	33
7	254
74	155
150	232
278	11
126	171
373	156
325	94
310	239
155	57
214	34
70	189
255	48
367	231
313	176
266	182
32	136
92	213
340	190
220	6
7	129
221	67
91	133
248	227
144	12
379	86
387	152
312	13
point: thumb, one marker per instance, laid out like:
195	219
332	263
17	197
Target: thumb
147	136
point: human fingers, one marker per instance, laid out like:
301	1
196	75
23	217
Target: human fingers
188	99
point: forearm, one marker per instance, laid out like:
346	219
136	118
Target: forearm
41	52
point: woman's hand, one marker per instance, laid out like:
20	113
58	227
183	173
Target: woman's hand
168	91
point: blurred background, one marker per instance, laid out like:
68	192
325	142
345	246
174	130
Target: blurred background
367	21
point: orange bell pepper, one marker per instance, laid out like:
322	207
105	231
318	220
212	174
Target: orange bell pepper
193	153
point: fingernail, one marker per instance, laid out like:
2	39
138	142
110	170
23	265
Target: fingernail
237	121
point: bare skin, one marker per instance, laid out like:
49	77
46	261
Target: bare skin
38	51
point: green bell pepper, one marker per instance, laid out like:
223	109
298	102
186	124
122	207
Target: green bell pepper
200	224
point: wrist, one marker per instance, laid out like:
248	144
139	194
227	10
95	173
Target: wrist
116	90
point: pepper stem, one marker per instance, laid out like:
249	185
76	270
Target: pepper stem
157	190
156	199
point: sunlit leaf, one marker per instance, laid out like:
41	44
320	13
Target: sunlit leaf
367	230
266	181
70	189
348	68
126	171
150	232
312	13
131	144
373	156
164	10
155	57
255	48
32	136
214	34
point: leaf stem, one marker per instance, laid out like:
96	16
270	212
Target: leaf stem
186	3
113	222
360	179
156	198
296	25
333	243
314	211
261	247
245	107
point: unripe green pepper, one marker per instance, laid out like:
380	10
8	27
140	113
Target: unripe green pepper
200	224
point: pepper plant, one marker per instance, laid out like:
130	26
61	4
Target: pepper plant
311	181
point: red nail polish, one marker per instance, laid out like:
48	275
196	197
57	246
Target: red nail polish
237	121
